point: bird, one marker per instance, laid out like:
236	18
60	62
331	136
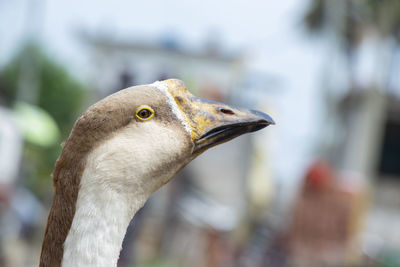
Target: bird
120	151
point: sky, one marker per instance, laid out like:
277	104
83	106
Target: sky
238	24
268	32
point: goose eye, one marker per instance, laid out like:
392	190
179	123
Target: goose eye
144	113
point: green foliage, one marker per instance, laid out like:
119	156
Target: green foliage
58	93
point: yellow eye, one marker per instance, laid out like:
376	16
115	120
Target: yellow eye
144	113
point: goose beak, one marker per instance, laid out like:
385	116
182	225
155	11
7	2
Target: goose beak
213	123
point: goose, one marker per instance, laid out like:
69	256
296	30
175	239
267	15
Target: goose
121	150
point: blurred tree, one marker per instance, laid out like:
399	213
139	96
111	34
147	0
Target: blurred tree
351	21
353	17
57	93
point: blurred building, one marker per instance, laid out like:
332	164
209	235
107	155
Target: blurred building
119	63
370	149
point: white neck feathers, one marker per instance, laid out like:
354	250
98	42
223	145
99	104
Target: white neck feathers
119	176
98	229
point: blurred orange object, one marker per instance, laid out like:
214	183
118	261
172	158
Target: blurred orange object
319	176
322	231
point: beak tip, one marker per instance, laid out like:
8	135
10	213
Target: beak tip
263	116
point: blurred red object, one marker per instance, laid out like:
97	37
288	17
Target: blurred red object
319	176
325	219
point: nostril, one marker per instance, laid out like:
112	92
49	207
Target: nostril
226	111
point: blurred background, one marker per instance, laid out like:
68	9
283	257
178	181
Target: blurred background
320	188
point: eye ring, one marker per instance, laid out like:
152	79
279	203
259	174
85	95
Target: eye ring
144	113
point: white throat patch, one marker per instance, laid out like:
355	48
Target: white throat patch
174	107
119	176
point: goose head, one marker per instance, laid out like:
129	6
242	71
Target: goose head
121	150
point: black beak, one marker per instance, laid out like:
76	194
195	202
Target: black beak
230	124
